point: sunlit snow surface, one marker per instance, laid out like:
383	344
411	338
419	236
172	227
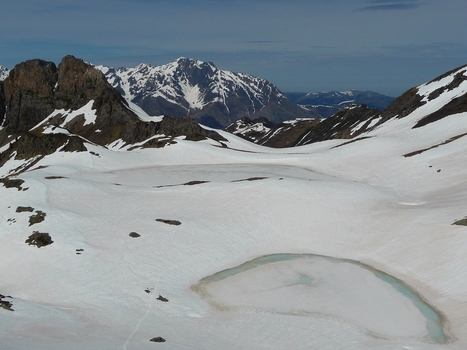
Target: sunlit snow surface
363	202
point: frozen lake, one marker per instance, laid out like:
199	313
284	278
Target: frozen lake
320	286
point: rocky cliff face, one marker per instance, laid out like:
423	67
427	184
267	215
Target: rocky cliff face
28	94
44	107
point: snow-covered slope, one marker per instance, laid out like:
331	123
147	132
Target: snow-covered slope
334	245
3	73
199	89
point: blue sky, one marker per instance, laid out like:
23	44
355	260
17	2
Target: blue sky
387	46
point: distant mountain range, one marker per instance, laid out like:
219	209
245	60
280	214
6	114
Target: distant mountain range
327	103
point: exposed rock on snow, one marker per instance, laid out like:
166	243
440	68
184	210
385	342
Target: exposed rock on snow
37	218
161	298
8	182
21	209
462	222
39	239
6	304
158	340
169	222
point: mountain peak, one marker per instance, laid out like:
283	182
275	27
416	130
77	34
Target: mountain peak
214	97
190	62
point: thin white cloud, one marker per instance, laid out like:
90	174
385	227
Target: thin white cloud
391	5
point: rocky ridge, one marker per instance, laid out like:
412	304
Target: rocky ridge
347	123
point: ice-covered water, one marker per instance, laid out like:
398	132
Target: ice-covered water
249	285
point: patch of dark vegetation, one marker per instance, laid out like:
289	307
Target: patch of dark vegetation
4	304
439	144
39	239
55	177
161	298
37	218
354	140
158	340
462	222
21	209
169	222
12	183
255	178
134	235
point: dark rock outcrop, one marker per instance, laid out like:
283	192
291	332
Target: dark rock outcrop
5	304
39	239
158	340
29	95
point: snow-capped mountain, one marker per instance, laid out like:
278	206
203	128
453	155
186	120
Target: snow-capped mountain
329	102
355	244
200	90
3	73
